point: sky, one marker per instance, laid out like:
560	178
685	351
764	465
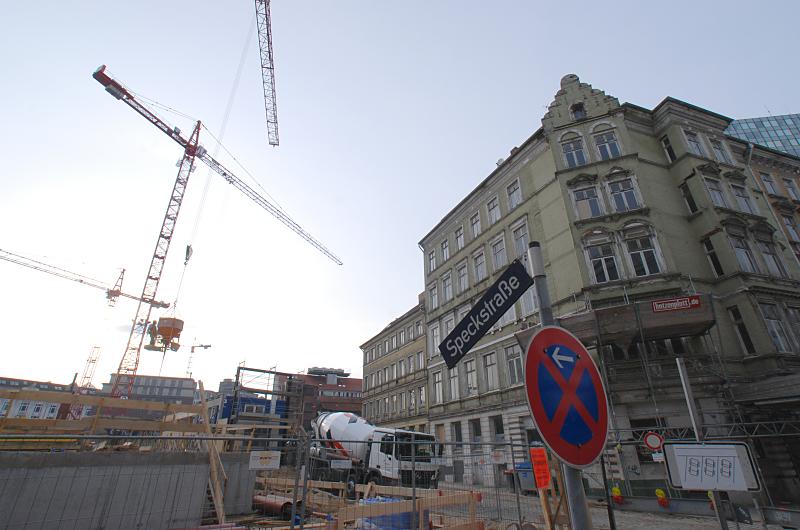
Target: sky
389	114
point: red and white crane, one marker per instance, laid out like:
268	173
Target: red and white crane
192	150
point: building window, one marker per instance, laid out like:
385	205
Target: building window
437	388
794	321
434	341
743	198
607	145
472	378
490	368
459	238
475	434
412	400
420	360
741	330
514	195
775	326
463	280
743	254
720	153
410	363
480	266
688	198
623	196
791	227
499	253
445	250
791	189
603	262
769	184
670	152
715	191
457	437
643	256
514	359
454	383
796	250
711	254
421	396
771	258
431	261
402	336
475	223
578	111
447	287
433	297
394	341
493	209
587	203
573	153
693	141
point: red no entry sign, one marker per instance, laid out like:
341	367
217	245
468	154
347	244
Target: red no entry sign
566	396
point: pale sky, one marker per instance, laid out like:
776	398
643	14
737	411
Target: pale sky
389	114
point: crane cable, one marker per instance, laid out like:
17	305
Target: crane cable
226	116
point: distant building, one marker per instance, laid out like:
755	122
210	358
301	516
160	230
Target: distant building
162	389
33	409
329	390
781	133
395	376
226	386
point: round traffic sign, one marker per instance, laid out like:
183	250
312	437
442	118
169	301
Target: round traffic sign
566	396
653	440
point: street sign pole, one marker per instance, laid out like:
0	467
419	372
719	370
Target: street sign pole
697	425
573	483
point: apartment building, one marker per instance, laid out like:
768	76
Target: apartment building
395	377
634	207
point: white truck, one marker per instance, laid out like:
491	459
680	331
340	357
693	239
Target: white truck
348	448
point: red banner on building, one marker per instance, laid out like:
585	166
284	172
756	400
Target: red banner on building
683	303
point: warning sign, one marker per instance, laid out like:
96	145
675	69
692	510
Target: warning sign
541	471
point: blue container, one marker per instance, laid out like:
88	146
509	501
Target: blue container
394	521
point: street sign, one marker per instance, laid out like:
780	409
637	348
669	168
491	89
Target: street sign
566	396
497	299
683	303
541	471
711	466
653	441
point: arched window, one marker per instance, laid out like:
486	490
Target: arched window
572	148
605	138
578	111
601	255
642	248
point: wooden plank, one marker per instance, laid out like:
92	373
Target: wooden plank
87	423
289	483
214	462
351	513
96	401
398	491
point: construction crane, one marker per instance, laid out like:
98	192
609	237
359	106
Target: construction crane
264	26
129	364
76	410
112	293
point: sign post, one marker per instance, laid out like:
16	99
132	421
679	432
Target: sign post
566	397
485	313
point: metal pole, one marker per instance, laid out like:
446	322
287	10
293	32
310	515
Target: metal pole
611	520
573	482
415	517
516	481
697	425
306	468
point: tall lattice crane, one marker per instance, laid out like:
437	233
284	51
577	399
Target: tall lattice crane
264	25
129	363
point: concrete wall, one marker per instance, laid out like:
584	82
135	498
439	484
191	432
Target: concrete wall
240	488
102	490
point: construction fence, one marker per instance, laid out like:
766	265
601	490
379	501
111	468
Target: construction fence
189	481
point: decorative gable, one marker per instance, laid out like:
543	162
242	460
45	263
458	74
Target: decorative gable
576	102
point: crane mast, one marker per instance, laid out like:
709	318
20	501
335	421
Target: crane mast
129	364
264	26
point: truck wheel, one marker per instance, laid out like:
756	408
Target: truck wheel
350	486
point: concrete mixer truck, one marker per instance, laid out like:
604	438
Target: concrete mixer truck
348	448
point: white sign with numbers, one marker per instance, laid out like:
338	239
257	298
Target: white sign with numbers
711	466
265	460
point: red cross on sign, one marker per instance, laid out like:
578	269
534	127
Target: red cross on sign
566	396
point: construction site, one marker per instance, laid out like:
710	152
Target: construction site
660	245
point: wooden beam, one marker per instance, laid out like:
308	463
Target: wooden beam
87	423
97	401
214	462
